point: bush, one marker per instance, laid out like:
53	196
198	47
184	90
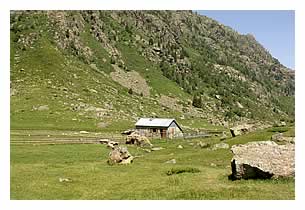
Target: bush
182	170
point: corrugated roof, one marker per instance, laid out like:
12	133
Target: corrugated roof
154	122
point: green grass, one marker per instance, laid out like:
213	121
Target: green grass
35	173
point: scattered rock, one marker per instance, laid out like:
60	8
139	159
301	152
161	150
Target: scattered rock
43	108
101	125
279	137
104	141
93	91
213	165
240	129
172	161
180	147
135	138
128	132
64	180
239	105
147	150
223	136
220	146
83	132
280	124
156	148
263	160
203	144
111	144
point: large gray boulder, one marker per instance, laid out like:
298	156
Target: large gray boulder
263	160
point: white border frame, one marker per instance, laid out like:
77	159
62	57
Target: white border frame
5	7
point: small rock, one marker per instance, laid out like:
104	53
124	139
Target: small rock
203	144
147	150
172	161
220	146
180	147
104	141
83	132
213	165
93	91
224	136
43	108
64	180
156	148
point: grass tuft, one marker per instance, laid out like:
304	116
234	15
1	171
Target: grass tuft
182	170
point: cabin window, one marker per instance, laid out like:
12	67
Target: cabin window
154	130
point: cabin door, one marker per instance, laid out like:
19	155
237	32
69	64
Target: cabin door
163	133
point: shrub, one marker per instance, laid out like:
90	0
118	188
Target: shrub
182	170
130	91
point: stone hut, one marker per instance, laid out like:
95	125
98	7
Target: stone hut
159	128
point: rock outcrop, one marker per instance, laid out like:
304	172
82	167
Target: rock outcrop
263	160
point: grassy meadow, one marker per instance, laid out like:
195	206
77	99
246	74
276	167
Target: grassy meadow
37	168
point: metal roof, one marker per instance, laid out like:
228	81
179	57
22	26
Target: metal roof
154	122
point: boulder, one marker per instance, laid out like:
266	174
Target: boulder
135	138
263	160
240	129
119	155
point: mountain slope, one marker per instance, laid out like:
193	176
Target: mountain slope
104	69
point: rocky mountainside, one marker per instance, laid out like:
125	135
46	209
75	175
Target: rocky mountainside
104	69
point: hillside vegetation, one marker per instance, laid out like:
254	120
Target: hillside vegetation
102	70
